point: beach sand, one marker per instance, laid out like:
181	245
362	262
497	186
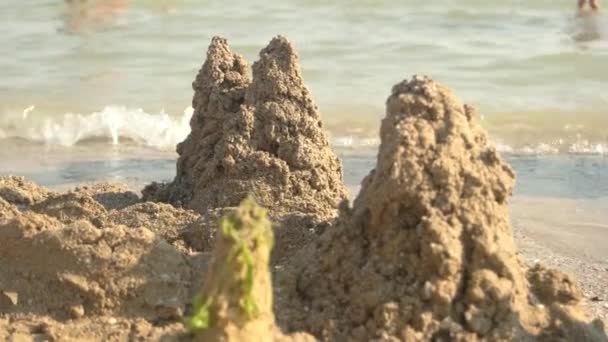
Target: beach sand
569	235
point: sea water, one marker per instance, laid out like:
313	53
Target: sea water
96	90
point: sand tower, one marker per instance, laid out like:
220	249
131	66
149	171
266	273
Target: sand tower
426	252
262	137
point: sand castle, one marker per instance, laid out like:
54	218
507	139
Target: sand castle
425	253
261	137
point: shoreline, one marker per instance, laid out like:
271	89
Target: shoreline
567	234
538	175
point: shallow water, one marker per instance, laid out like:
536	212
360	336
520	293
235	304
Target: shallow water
92	92
535	68
546	176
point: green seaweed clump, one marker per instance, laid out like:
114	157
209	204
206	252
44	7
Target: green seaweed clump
241	257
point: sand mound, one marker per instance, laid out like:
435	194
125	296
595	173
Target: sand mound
292	232
427	251
169	223
71	207
106	205
72	270
110	195
68	271
8	210
235	303
90	202
18	191
262	137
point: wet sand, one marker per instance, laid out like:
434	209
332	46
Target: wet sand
568	234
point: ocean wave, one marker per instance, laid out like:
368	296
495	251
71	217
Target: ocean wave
580	147
114	123
119	125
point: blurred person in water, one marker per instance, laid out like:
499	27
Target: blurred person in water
594	4
586	27
85	13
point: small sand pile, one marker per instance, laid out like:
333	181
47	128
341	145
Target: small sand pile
69	271
18	191
71	207
262	137
110	195
72	270
235	303
108	204
426	252
167	222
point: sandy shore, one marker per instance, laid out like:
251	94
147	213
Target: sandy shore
570	235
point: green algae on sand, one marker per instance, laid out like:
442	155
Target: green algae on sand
245	232
236	300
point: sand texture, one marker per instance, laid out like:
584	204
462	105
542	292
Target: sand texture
60	261
19	191
254	239
427	252
262	137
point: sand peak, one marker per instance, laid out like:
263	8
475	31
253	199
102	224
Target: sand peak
262	137
427	250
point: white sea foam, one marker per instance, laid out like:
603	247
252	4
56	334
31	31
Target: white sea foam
115	123
560	146
351	141
582	147
118	124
